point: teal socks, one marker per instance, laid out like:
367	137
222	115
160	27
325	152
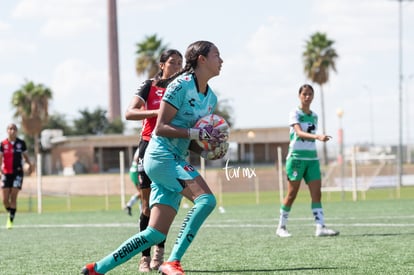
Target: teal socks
203	206
129	249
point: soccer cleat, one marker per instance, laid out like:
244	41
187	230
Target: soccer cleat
158	258
323	231
144	264
9	223
89	269
282	232
171	268
128	210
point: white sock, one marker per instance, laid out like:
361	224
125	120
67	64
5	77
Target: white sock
318	215
283	218
132	200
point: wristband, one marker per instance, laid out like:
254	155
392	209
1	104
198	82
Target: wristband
194	133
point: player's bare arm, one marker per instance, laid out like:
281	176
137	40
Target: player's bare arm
306	135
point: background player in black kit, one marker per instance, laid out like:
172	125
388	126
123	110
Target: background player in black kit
12	152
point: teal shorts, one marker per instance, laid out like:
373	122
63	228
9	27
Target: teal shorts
168	175
298	169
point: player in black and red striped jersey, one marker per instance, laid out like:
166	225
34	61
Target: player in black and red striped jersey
13	151
144	106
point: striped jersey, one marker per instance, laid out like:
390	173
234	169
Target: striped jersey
152	96
300	148
12	155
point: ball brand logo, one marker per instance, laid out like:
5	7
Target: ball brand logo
237	172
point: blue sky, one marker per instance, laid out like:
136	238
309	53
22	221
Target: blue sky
63	45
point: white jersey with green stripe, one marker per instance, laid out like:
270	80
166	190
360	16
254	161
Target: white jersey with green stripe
300	148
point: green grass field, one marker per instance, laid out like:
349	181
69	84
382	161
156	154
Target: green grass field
377	237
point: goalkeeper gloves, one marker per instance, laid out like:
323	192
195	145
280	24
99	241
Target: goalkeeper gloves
208	133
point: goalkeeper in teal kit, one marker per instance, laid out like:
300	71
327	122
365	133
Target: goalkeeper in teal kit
187	98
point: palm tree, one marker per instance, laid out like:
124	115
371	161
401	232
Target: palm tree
319	58
31	102
149	51
91	123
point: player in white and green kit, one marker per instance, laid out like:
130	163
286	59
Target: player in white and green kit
302	162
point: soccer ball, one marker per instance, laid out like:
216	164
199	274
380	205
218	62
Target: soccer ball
218	123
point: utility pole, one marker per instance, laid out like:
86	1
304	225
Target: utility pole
400	92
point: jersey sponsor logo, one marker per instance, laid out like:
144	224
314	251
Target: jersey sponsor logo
156	102
311	128
159	92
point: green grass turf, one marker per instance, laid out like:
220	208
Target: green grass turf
377	237
101	203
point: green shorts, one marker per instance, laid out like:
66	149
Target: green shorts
298	169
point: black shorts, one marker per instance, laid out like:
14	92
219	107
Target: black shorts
143	179
12	180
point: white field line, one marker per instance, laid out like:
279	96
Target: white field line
209	225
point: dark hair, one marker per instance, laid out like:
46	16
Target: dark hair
166	54
304	86
163	58
194	50
12	126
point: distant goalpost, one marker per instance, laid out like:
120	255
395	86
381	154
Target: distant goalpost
359	173
348	177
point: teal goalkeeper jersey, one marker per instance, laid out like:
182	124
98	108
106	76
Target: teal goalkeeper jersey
300	148
191	105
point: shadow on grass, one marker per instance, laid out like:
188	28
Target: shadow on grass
264	271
